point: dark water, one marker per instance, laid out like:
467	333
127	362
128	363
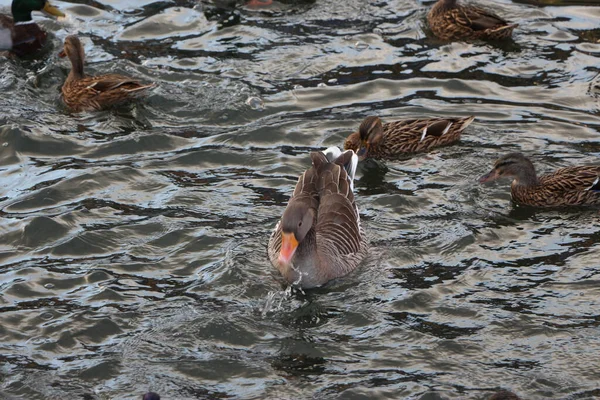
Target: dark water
133	242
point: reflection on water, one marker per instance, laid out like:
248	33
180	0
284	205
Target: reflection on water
133	241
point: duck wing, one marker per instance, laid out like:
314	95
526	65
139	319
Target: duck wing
98	92
476	18
569	179
107	83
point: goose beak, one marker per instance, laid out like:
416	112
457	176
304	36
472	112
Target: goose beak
289	244
51	10
490	176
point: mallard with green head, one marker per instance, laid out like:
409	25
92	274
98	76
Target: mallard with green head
20	34
394	139
88	93
570	186
449	20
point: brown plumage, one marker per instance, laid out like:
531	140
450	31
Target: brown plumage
449	20
20	34
319	237
87	93
504	395
568	186
394	139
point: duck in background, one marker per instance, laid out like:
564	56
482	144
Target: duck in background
229	4
504	395
451	21
570	186
151	396
394	139
319	236
20	34
88	93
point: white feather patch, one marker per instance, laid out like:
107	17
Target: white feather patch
424	134
447	128
332	153
6	42
594	184
352	172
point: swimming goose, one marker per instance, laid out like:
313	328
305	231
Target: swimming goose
319	237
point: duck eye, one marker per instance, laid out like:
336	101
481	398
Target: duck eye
300	223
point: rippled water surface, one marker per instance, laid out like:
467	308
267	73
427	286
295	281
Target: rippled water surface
133	241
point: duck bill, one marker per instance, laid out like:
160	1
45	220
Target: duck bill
289	244
51	10
62	54
490	176
259	3
362	152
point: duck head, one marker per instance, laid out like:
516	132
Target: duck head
371	133
74	50
22	9
513	165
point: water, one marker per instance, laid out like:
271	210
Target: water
133	242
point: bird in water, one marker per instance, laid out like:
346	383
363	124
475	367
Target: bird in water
151	396
229	4
19	34
449	20
319	236
394	139
86	93
570	186
504	395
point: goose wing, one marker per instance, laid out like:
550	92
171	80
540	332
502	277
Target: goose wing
338	224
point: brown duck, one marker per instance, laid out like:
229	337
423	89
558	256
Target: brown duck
565	187
504	395
449	20
394	139
87	93
20	34
319	237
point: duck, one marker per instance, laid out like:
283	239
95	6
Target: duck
89	93
570	186
228	4
504	395
451	21
151	396
19	34
319	236
394	139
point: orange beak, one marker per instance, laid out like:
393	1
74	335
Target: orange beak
289	244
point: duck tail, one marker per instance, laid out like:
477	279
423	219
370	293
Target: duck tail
466	122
